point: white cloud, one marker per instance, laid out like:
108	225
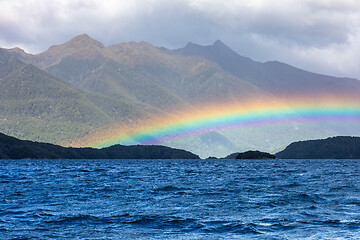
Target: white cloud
321	35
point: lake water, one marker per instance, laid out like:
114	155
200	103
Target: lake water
179	199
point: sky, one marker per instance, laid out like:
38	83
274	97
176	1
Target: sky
322	36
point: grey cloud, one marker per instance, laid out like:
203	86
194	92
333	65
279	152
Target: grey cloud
301	33
286	21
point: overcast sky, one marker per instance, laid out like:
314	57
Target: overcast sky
317	35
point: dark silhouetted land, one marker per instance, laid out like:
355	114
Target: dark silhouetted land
330	148
13	148
255	155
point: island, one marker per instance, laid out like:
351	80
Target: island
341	147
255	155
13	148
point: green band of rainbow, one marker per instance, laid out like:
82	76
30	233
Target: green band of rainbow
230	117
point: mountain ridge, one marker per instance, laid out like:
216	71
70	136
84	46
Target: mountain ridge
272	76
36	105
133	83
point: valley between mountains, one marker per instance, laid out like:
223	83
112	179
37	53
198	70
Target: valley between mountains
82	93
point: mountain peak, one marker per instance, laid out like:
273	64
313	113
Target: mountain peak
83	40
20	53
81	47
218	43
195	49
17	50
190	44
83	36
189	48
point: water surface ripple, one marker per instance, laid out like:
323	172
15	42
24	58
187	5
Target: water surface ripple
179	199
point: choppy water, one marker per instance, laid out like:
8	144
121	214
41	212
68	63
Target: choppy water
179	199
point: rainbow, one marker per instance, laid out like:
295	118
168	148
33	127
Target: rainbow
220	117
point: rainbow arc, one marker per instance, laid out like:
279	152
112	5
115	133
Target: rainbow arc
231	116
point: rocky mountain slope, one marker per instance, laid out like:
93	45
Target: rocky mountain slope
274	77
141	72
36	105
86	87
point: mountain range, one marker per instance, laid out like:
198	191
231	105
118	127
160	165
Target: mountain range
81	88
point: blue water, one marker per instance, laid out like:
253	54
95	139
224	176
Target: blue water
179	199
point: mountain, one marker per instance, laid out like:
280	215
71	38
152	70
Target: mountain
193	73
141	72
80	47
13	148
143	75
341	147
35	105
129	86
275	77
